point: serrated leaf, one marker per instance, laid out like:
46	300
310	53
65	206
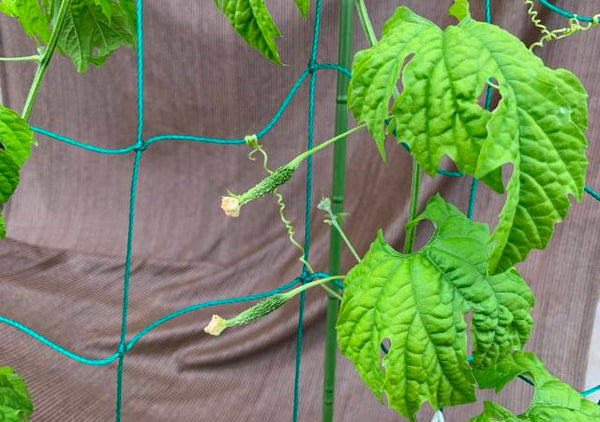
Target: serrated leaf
253	22
547	151
419	301
553	400
303	6
15	139
30	16
15	402
538	126
89	36
15	136
92	29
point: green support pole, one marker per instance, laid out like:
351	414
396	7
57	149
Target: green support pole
337	202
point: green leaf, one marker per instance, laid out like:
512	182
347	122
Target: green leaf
15	138
493	412
538	126
9	8
252	20
546	146
418	302
15	403
106	7
303	6
91	32
460	10
30	16
553	400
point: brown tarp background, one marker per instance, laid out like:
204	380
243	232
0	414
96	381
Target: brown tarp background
61	268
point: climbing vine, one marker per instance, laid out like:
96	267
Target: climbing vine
413	304
402	321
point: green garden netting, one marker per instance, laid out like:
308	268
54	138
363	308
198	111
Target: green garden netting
309	75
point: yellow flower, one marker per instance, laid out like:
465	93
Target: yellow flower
231	206
216	326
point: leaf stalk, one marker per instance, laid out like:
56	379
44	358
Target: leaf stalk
44	60
35	58
414	207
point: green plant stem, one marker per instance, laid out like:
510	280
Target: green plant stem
44	61
412	418
338	227
330	291
326	143
290	294
334	222
365	21
35	58
414	205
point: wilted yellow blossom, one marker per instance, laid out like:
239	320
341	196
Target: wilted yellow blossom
231	206
216	326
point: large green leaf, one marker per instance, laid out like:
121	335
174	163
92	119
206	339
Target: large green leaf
252	20
553	400
15	139
538	126
15	403
30	16
92	29
418	302
90	34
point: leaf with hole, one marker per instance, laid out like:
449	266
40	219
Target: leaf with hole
553	400
538	126
418	302
15	403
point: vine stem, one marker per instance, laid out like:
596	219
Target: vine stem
326	206
35	57
44	60
337	226
304	287
414	205
326	143
366	22
416	168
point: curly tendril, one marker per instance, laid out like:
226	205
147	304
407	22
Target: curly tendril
548	36
252	142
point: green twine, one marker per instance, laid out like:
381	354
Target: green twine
566	14
142	145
